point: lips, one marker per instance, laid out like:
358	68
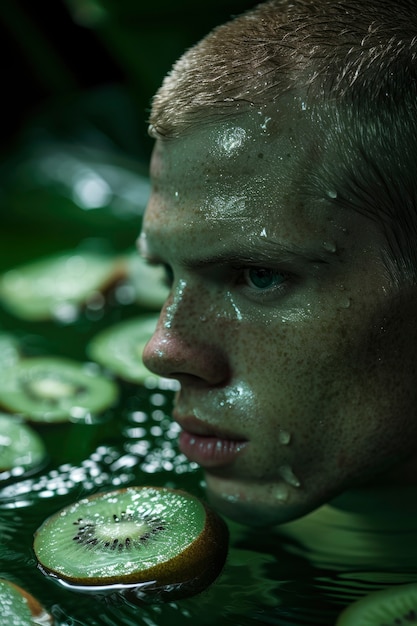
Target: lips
207	446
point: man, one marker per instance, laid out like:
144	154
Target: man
284	211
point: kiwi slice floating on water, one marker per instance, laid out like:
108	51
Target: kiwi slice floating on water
52	389
20	608
146	538
57	286
21	448
395	606
119	348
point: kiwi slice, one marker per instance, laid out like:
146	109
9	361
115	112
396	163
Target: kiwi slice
119	348
9	351
395	606
56	286
148	283
52	389
21	448
20	608
151	538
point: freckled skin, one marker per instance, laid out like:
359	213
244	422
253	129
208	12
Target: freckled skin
328	357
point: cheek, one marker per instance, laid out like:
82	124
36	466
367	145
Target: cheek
342	389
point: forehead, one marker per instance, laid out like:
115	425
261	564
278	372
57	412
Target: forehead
248	175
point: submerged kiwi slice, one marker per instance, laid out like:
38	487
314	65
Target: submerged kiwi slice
20	608
150	538
56	286
119	347
21	448
395	606
52	389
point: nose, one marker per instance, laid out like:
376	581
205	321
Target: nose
184	350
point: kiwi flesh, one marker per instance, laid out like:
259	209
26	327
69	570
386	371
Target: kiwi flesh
57	286
20	608
395	606
21	448
52	389
153	538
119	348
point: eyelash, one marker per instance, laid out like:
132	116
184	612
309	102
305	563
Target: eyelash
267	290
241	272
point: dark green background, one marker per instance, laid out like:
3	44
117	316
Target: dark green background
79	75
55	51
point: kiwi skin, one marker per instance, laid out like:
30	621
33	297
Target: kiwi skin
36	609
209	551
186	574
394	606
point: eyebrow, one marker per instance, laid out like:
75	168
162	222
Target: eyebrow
262	251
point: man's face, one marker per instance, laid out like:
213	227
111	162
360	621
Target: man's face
294	351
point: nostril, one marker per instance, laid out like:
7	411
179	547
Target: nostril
194	362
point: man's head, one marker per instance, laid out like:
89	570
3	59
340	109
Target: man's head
283	208
354	66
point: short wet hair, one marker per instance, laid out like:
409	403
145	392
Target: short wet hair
358	58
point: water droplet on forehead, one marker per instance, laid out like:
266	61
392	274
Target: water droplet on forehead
232	139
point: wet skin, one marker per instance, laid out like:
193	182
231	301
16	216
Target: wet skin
294	350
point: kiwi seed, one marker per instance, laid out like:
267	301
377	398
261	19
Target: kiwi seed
119	348
20	608
50	287
395	606
21	448
152	537
52	389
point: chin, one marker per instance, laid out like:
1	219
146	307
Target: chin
255	512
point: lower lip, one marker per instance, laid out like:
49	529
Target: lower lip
210	451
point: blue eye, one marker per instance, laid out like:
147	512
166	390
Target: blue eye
263	278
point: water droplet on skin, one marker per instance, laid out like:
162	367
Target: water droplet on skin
288	475
265	123
232	139
332	193
282	493
345	304
284	437
172	308
330	246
